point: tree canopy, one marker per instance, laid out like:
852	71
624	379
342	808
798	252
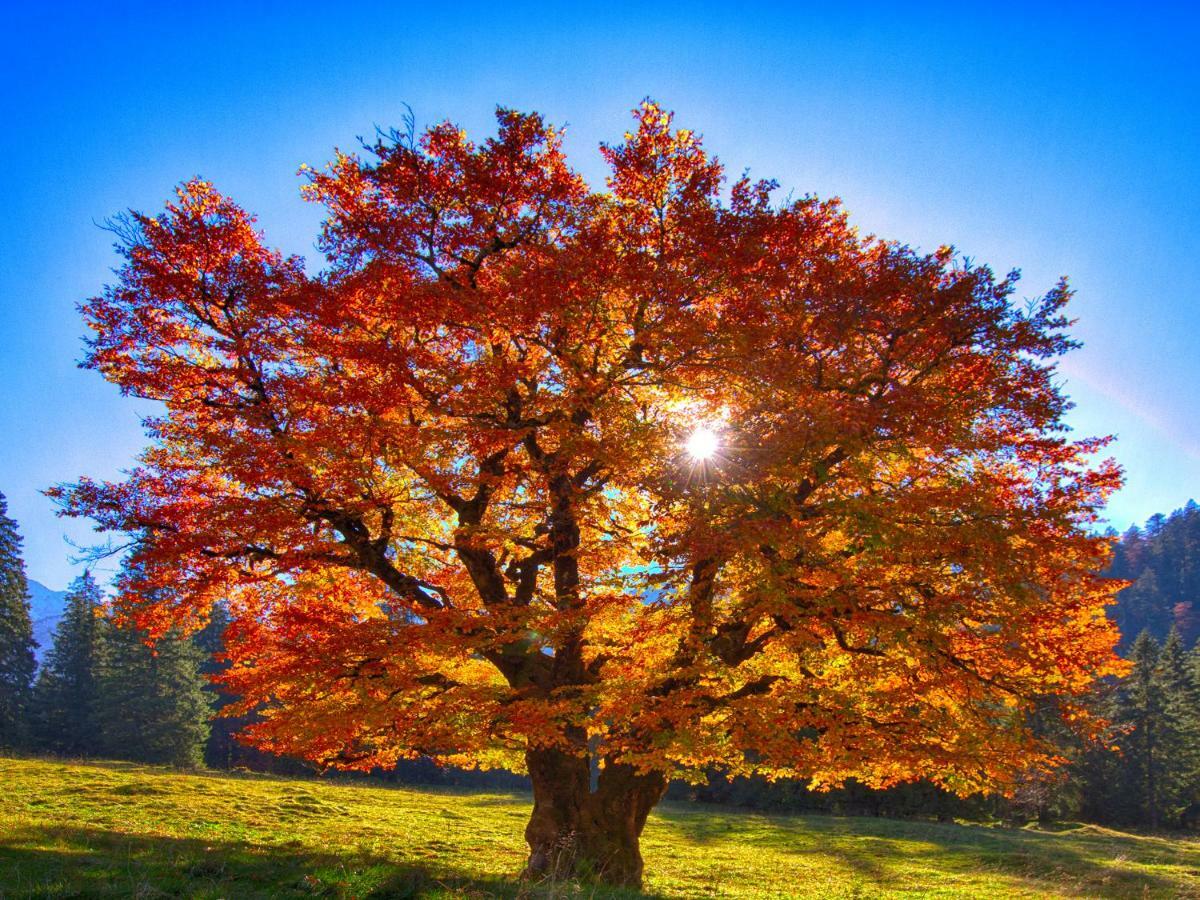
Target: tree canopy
445	483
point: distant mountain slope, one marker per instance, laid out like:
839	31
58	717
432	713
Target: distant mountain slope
1162	559
45	608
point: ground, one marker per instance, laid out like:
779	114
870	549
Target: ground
115	829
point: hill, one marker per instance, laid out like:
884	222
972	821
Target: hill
1162	560
114	829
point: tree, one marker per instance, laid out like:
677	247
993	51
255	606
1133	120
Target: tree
16	635
220	749
1143	707
65	694
608	485
152	705
1163	562
1179	728
1102	767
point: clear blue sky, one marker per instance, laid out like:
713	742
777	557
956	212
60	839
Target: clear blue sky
1058	141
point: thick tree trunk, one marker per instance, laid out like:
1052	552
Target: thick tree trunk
575	831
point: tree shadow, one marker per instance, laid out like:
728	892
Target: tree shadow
42	859
708	825
54	861
1098	862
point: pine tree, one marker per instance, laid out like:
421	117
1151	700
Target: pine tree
1193	663
1142	706
16	635
151	702
1102	769
222	750
1154	779
1180	727
65	694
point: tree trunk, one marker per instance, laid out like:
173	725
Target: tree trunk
577	832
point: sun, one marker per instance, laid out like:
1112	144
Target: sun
702	444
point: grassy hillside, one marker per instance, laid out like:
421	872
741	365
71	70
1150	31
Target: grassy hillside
123	830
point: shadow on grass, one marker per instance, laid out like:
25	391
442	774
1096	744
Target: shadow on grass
85	862
879	852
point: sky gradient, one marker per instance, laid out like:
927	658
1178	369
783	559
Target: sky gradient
1058	142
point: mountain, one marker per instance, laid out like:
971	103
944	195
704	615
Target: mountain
45	608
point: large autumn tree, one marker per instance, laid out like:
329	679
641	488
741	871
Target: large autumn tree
609	485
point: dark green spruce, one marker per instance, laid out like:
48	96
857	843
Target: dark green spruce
65	697
152	705
16	636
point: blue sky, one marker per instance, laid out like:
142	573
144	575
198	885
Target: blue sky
1058	141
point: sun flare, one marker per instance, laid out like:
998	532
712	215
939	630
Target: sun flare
702	444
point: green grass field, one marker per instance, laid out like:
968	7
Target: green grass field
114	829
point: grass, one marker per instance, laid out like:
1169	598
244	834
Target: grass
121	830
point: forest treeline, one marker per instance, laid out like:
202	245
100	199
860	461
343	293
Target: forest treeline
1162	560
102	691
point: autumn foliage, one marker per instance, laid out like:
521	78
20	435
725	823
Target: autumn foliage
443	483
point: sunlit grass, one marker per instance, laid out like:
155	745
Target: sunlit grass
113	829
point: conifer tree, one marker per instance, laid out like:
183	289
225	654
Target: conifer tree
221	750
151	702
1179	728
1142	705
1150	774
65	694
1101	770
1193	663
16	635
224	750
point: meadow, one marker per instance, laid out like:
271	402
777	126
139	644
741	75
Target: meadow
124	830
